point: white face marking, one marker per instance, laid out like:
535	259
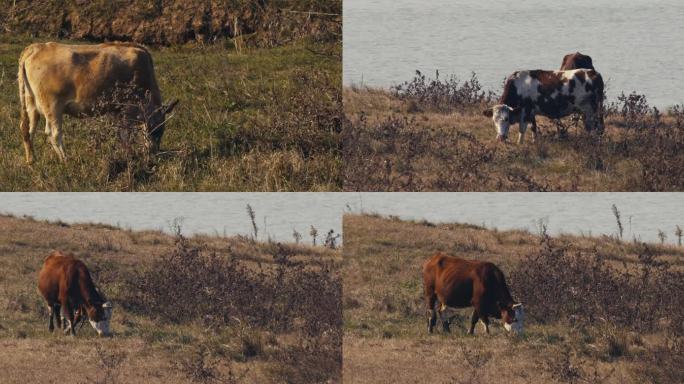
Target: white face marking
517	325
501	114
102	327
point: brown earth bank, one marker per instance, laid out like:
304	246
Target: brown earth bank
588	301
204	309
166	22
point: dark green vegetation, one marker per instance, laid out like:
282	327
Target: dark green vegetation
259	111
597	309
430	135
201	309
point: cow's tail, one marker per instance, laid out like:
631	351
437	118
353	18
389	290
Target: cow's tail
25	92
22	81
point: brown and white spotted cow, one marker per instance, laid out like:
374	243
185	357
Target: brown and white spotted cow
553	94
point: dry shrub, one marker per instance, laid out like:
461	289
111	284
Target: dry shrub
585	289
120	136
446	95
193	285
393	155
190	284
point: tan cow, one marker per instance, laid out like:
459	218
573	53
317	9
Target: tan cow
57	79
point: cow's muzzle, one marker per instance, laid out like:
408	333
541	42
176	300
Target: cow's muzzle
501	138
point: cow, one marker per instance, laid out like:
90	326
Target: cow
83	80
576	61
553	94
458	283
66	285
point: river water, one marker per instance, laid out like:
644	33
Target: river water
642	214
278	214
635	44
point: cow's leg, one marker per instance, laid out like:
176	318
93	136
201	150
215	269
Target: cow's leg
69	313
473	321
522	129
443	318
485	322
28	122
55	122
534	129
51	313
432	313
589	118
57	313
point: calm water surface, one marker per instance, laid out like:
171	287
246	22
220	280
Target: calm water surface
635	44
589	213
278	214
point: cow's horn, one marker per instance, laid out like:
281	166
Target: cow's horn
107	305
517	305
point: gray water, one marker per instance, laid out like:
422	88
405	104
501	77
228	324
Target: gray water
643	214
635	44
277	214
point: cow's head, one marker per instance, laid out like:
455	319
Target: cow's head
156	123
503	116
99	316
513	316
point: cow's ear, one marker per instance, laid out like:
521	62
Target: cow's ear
169	107
488	112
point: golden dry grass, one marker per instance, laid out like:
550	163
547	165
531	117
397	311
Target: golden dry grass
386	339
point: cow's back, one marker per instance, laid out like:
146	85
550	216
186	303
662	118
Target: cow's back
83	73
452	279
52	275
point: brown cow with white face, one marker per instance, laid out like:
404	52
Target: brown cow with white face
553	94
77	80
66	285
458	283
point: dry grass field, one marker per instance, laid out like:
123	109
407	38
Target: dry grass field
579	327
201	309
430	135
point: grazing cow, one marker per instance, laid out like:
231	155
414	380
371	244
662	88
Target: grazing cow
459	283
80	80
576	61
553	94
65	283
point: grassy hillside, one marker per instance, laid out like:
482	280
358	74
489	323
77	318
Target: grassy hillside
204	309
259	120
430	135
575	331
169	22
